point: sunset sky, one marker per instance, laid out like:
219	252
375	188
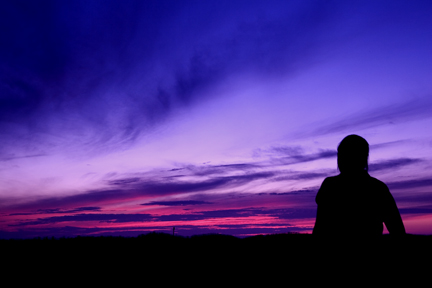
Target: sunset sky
126	117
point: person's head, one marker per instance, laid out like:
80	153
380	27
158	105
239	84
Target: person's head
352	155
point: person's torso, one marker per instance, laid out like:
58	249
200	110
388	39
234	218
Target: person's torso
354	205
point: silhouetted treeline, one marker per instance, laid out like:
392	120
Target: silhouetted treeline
215	240
214	260
296	244
203	259
213	255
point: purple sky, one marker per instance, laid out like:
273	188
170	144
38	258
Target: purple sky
125	117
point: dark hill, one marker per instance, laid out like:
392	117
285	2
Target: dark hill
280	253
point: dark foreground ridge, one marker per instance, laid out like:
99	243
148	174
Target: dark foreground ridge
154	244
216	255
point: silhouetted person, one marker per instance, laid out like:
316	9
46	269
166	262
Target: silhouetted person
354	203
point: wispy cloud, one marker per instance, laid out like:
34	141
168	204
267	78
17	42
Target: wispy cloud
13	157
177	203
102	218
427	209
205	179
410	184
132	188
124	181
211	170
60	211
287	155
302	176
393	163
192	216
413	109
293	192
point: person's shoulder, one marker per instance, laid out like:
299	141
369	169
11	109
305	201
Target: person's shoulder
332	178
329	181
377	182
327	188
379	185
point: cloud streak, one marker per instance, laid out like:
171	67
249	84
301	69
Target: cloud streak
177	203
202	179
410	184
393	163
410	110
127	189
60	211
193	216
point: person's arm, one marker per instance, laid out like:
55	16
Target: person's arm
318	227
392	217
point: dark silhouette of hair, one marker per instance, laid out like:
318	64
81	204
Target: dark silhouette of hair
353	154
353	202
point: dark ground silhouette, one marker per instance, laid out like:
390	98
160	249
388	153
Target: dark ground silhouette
296	244
214	258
